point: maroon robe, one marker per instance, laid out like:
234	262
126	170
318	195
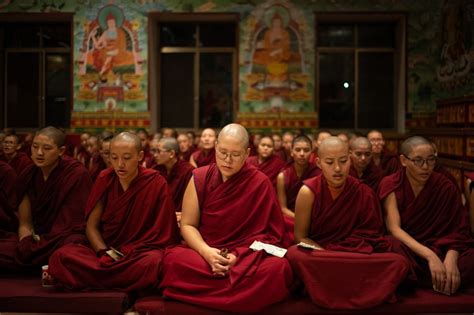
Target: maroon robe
293	183
282	154
435	218
57	206
139	222
389	163
371	176
203	160
83	155
270	167
97	165
186	156
177	179
354	270
8	200
234	213
19	162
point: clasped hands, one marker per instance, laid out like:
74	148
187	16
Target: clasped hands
219	261
444	275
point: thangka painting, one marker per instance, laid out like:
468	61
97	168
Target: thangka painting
110	69
276	69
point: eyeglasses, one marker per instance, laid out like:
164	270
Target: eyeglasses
158	151
359	155
420	162
234	156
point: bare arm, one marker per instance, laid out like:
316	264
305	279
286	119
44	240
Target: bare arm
192	162
393	223
25	227
282	196
92	228
303	209
190	217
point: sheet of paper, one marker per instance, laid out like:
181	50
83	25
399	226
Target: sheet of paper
269	249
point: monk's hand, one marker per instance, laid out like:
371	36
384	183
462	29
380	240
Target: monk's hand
219	265
438	272
453	276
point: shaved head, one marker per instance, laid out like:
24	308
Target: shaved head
235	131
128	137
360	142
54	134
332	143
170	144
409	144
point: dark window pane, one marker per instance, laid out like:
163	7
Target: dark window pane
217	34
376	35
56	35
22	94
376	91
177	90
178	34
58	87
22	35
2	36
336	91
215	90
341	35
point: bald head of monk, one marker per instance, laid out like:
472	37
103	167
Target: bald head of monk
333	159
419	158
125	156
232	149
361	153
166	151
47	148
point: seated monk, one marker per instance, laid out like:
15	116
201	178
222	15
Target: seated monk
80	152
381	157
8	218
12	154
176	172
278	149
291	179
424	211
207	153
105	150
186	147
130	211
286	142
267	162
349	267
96	163
227	206
316	142
361	163
51	195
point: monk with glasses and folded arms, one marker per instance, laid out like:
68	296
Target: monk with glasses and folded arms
424	213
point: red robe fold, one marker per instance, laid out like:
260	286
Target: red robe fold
8	200
19	162
293	183
140	222
186	156
97	165
83	155
371	176
270	167
282	155
435	218
177	180
355	270
234	213
57	206
203	160
389	163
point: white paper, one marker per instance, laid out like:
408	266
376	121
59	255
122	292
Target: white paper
269	249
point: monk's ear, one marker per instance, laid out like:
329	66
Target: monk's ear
140	155
248	151
403	160
173	154
62	149
318	162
